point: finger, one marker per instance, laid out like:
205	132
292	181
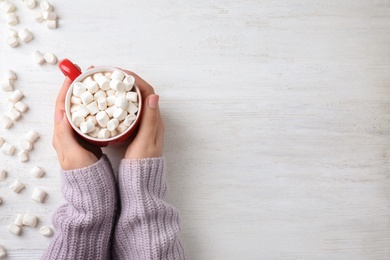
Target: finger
160	131
63	137
150	119
60	103
145	88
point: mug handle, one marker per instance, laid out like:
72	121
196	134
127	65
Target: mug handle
69	69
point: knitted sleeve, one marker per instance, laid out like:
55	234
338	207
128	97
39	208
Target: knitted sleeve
84	224
148	227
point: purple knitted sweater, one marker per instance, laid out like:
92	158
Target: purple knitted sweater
96	223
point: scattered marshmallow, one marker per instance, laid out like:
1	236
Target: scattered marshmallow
3	175
50	58
49	15
30	220
10	75
38	17
46	6
23	156
16	95
25	35
7	7
3	252
37	172
17	186
12	41
46	231
15	229
5	122
13	114
20	106
38	57
1	141
19	220
51	24
12	32
38	195
7	85
32	136
30	3
8	149
12	19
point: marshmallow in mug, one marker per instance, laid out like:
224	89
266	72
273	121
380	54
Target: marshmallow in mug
103	104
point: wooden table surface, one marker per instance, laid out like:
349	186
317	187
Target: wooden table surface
277	119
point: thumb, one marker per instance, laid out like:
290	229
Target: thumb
149	119
64	139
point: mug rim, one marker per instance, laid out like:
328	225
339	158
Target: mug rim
69	94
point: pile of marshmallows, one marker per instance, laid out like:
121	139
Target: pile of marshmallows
103	105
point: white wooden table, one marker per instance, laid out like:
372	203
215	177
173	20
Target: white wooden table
277	119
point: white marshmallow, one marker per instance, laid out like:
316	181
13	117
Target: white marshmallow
103	82
50	58
25	35
75	100
121	128
7	85
3	252
129	119
111	100
46	231
3	175
132	96
129	82
112	124
1	141
13	114
6	122
16	95
30	220
12	19
46	6
87	127
102	118
38	17
110	92
83	110
77	119
26	144
49	15
10	75
110	111
104	134
12	32
78	89
87	80
14	229
20	106
102	103
131	108
92	87
120	94
30	3
38	195
12	41
74	108
114	133
121	102
37	172
8	149
51	24
7	7
38	57
99	94
17	186
32	136
120	114
19	220
93	108
119	75
86	97
23	156
97	75
92	119
117	85
94	133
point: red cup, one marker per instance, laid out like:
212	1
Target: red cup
74	74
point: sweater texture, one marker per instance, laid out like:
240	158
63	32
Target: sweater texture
102	220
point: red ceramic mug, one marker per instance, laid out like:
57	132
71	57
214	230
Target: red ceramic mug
75	75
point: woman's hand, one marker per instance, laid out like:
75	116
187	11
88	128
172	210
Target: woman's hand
72	151
148	142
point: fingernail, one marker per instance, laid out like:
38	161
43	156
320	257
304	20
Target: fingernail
59	115
153	101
